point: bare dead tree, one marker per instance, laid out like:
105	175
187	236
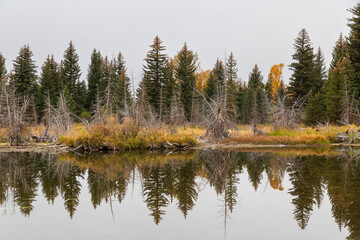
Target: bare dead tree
14	115
350	113
217	120
61	117
287	116
176	115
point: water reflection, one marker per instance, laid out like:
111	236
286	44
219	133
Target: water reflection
180	177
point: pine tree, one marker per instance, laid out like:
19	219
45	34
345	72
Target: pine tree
339	51
24	76
320	71
240	95
122	83
49	84
216	83
94	77
70	78
2	68
231	76
303	78
255	106
80	98
171	89
335	89
70	69
315	110
255	78
354	46
185	73
154	74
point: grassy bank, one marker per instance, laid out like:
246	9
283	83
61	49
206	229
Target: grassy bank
299	136
126	136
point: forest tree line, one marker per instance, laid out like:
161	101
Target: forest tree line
177	91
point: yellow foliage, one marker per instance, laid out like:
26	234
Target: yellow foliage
202	79
275	78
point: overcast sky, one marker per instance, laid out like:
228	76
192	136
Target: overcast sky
261	31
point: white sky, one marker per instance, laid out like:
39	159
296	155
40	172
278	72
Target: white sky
261	31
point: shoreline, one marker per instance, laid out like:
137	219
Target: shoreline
60	148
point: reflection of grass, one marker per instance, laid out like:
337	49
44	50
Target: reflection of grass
291	152
112	163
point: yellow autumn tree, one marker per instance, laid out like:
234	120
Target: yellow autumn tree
201	80
275	81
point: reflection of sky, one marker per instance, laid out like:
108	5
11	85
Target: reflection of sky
259	31
265	214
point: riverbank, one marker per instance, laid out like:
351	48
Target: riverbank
127	136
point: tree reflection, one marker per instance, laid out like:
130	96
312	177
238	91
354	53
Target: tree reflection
154	191
175	178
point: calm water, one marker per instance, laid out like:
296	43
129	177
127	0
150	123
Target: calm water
193	195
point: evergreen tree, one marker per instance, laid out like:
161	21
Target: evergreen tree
315	109
70	78
93	78
154	74
70	69
240	95
255	78
255	106
171	89
354	46
216	83
185	73
80	97
231	75
303	78
339	51
339	77
320	71
24	76
123	92
49	84
2	68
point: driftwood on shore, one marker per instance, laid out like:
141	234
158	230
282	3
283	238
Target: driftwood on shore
108	147
350	136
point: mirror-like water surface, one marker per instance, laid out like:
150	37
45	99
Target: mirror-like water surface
192	195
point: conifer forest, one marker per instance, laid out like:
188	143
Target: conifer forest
46	102
153	119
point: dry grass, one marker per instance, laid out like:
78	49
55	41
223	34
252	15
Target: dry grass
125	136
299	136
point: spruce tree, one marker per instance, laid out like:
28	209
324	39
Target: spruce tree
231	76
2	69
185	73
171	89
49	84
93	78
315	109
303	78
240	94
255	105
24	75
216	83
337	87
255	79
339	51
122	82
70	69
354	46
320	71
154	73
80	98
